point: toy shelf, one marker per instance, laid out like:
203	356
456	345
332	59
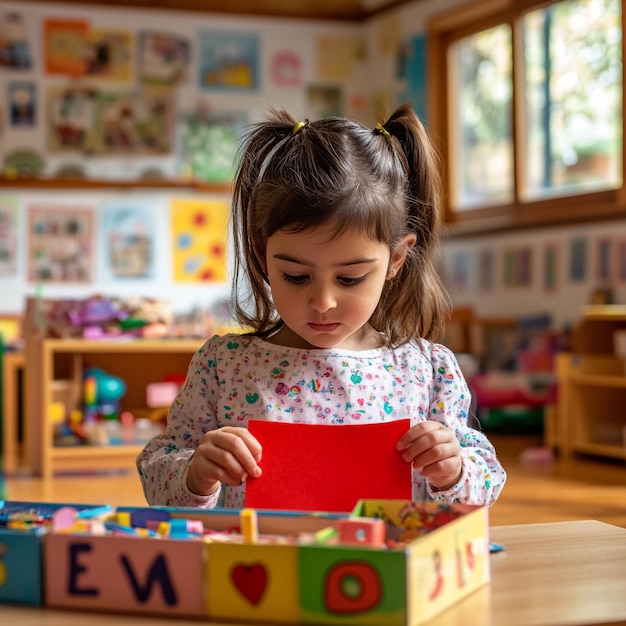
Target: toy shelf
592	387
54	364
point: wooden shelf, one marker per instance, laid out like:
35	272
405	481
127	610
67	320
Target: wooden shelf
137	362
91	184
597	380
615	451
592	387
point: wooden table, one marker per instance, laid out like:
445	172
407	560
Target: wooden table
565	573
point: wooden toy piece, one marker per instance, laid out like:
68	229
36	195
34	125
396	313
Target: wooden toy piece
362	532
249	526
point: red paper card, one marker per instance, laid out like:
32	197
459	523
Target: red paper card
311	467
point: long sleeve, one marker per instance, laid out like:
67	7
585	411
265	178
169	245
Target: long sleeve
164	461
483	476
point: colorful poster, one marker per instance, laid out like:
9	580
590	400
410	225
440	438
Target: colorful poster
199	239
163	58
411	70
139	122
604	259
128	240
336	56
22	104
324	101
578	260
621	260
229	61
209	146
60	245
286	68
71	118
8	235
486	261
64	43
109	54
550	267
14	46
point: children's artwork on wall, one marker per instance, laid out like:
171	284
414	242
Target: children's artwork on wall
139	122
459	278
324	101
621	259
109	54
22	104
60	245
128	240
286	68
411	70
229	61
71	119
199	237
389	35
14	46
517	267
604	259
8	235
163	58
578	260
24	162
550	267
72	48
63	44
336	56
209	145
486	262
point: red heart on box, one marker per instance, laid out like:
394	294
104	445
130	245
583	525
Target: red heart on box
250	580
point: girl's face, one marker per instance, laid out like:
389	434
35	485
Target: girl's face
325	289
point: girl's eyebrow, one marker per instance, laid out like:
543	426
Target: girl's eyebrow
290	259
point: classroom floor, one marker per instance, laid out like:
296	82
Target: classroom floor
581	488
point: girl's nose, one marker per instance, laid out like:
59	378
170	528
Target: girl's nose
322	299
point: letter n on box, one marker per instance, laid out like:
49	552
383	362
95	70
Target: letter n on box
127	574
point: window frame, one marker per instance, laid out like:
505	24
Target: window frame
445	29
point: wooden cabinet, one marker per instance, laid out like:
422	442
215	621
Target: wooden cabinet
591	410
54	363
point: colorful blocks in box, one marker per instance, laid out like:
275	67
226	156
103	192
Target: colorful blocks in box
290	567
362	532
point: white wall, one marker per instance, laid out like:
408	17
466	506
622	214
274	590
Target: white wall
374	79
275	35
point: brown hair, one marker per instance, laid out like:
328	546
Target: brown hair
383	181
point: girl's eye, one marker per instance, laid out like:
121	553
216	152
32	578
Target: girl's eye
350	282
295	280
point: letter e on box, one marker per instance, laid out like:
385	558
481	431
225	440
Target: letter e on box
128	574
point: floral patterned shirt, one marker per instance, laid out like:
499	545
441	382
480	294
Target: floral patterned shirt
235	378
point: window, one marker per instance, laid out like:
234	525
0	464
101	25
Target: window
526	104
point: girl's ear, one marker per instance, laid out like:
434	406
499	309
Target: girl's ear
399	253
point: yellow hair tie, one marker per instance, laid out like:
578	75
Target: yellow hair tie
299	126
381	130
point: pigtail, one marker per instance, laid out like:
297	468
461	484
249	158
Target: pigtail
415	303
251	296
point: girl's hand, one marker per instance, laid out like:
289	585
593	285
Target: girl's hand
435	451
228	455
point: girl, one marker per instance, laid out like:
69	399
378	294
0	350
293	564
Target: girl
334	227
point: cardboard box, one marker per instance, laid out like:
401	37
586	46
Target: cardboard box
297	567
